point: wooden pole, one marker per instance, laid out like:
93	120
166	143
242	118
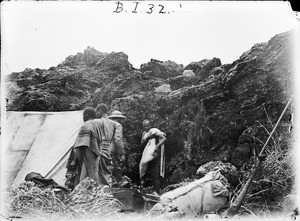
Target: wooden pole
279	119
235	205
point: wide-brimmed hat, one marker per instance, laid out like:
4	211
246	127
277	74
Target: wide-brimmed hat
116	114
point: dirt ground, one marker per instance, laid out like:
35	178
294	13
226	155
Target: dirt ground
134	216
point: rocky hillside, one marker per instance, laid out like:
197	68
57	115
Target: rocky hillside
209	110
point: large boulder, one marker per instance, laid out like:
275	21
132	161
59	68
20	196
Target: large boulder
203	68
89	57
160	69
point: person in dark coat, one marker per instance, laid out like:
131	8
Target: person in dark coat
117	150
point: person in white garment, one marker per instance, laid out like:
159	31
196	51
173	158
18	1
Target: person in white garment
152	164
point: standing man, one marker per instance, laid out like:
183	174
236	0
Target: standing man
86	148
152	164
107	129
117	150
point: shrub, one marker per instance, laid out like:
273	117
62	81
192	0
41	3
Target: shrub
275	178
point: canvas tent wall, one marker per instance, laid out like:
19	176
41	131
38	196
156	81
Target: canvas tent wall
37	142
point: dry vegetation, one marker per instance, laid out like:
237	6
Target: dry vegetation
87	200
273	189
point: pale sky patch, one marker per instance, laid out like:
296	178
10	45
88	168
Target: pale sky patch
42	34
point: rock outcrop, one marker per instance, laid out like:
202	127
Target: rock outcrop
221	112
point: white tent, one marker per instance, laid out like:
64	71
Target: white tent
37	142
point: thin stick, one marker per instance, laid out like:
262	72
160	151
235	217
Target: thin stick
286	106
267	115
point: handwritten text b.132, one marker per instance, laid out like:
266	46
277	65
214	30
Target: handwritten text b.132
135	7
